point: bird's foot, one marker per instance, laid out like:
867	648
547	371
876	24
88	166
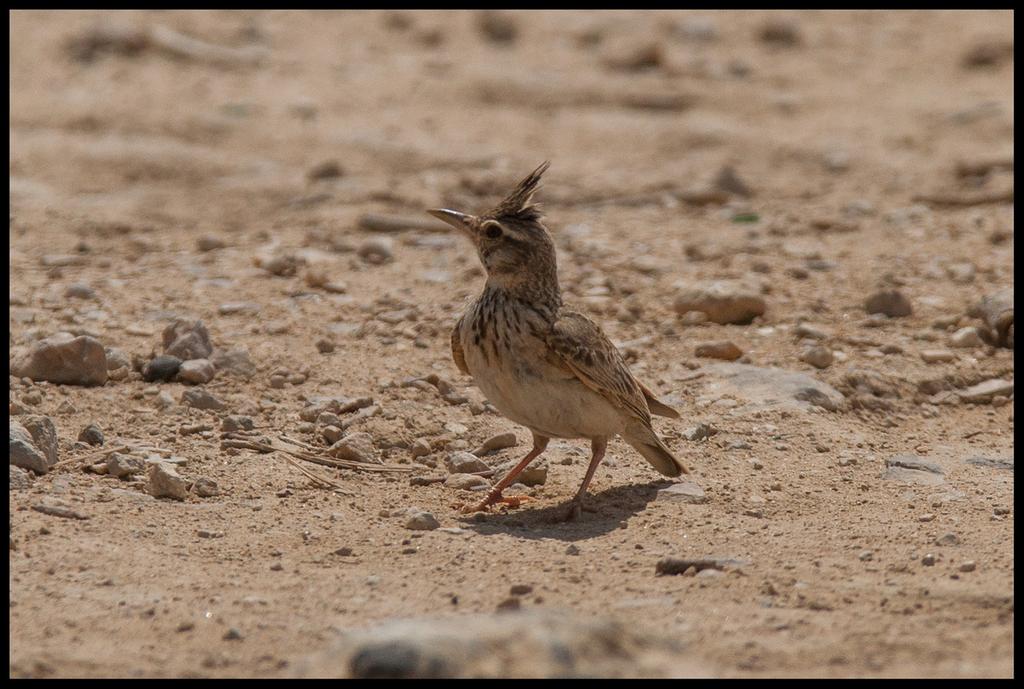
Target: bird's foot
574	511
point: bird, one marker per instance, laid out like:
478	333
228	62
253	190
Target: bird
540	363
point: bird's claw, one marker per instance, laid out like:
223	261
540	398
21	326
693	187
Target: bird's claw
513	502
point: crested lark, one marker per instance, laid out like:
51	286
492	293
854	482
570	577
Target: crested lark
548	368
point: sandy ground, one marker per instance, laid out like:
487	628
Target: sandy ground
847	129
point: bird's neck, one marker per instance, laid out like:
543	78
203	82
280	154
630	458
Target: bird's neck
537	289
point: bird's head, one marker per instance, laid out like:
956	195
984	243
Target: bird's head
513	244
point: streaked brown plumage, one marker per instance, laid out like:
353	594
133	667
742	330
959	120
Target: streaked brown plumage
544	366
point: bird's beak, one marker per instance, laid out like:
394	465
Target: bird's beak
459	221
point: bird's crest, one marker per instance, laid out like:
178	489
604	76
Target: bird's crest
517	204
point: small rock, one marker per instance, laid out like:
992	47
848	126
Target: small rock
164	482
466	481
122	466
329	169
512	603
937	356
968	566
332	434
812	332
866	556
161	368
63	359
729	182
686	492
966	338
376	250
236	362
464	463
357	447
928	560
233	634
984	392
420	520
187	340
520	589
947	539
723	302
721	349
700	432
420	448
20	478
91	435
817	356
891	303
198	398
780	32
497	27
206	488
324	346
117	359
237	423
80	290
196	371
501	441
23	451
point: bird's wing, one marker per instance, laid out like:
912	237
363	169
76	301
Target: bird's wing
579	345
458	356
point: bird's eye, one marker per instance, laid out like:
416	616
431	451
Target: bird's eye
493	230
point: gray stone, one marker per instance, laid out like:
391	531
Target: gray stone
357	447
719	349
700	432
937	356
891	303
769	388
817	356
420	520
117	359
164	482
236	362
44	435
187	340
723	302
123	466
237	423
966	338
206	488
91	435
911	469
984	392
20	479
466	481
947	539
161	368
79	290
687	492
23	451
376	250
62	359
992	462
464	463
198	398
196	371
528	643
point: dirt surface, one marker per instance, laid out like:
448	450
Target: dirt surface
138	139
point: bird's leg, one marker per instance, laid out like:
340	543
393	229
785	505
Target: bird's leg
597	448
540	443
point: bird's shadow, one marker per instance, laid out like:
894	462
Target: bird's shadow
602	512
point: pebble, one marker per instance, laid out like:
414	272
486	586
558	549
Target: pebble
817	356
376	250
161	368
420	520
937	356
947	539
497	27
357	447
80	290
328	169
866	556
685	492
20	479
196	371
198	398
66	407
779	31
722	302
187	340
63	359
968	566
420	448
809	331
206	488
164	482
235	361
122	466
700	432
501	441
966	338
984	392
720	349
332	434
23	451
466	482
464	463
233	634
324	346
891	303
236	423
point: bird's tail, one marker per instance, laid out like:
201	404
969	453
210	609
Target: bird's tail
644	441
